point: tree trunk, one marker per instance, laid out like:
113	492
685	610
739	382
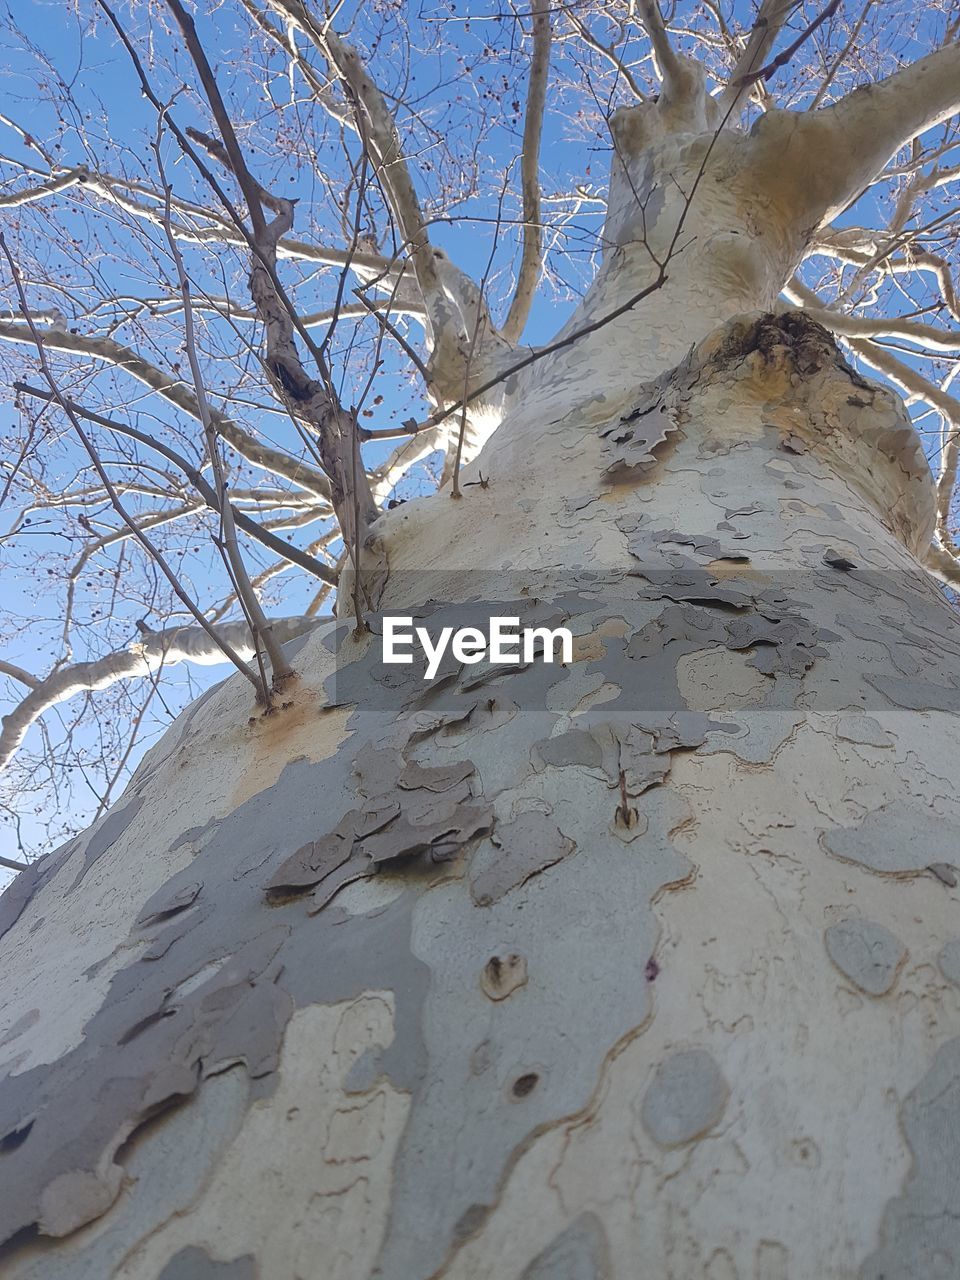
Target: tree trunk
659	972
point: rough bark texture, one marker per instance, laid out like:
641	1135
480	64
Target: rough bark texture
644	965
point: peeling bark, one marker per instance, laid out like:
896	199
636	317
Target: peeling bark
538	971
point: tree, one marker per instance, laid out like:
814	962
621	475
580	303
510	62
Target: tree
642	961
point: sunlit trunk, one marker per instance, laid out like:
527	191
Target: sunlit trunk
659	972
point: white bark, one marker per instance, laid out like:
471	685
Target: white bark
150	653
682	998
531	260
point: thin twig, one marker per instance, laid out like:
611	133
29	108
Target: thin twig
246	596
206	491
121	510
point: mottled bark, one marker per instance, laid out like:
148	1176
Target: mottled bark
643	965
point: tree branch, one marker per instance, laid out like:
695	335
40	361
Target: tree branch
381	140
822	159
247	598
18	673
770	20
451	299
924	335
121	510
531	259
407	455
860	247
607	52
154	650
668	65
111	188
782	58
196	478
309	401
175	392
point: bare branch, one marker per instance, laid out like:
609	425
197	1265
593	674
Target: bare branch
16	199
121	510
379	134
923	335
407	455
320	89
450	297
206	491
842	56
770	19
531	259
221	231
835	152
860	247
154	650
607	52
175	392
669	68
18	673
751	76
307	400
253	611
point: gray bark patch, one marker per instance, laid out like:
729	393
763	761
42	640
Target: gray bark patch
630	444
920	1230
685	1098
517	851
164	904
578	1253
232	950
109	831
865	952
896	838
917	695
196	1264
949	961
508	1068
17	895
252	929
166	1169
864	730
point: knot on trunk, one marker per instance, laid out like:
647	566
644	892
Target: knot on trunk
789	341
293	380
791	383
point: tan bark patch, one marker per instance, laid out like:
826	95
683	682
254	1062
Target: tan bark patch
306	730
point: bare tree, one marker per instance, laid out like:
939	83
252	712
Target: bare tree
516	972
264	346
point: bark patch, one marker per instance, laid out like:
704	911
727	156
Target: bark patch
686	1097
865	952
579	1253
920	1230
521	849
196	1264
